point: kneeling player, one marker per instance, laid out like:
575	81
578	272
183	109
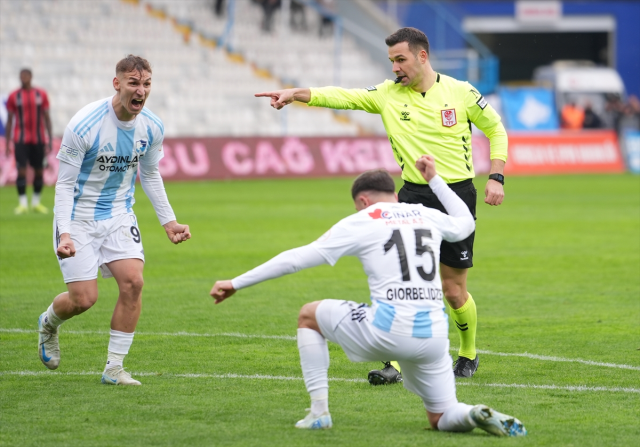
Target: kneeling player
398	245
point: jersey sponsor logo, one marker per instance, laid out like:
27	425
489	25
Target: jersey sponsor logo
117	163
379	214
482	102
72	152
372	88
414	293
404	115
449	117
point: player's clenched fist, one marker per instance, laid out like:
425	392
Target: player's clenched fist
176	232
222	290
426	164
65	249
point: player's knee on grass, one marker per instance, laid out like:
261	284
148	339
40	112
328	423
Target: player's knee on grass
434	418
307	316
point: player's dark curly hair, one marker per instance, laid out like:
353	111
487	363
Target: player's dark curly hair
414	37
377	180
132	63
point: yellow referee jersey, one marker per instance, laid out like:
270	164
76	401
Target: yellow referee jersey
438	123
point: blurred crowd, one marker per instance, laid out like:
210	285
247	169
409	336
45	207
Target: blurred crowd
618	114
297	14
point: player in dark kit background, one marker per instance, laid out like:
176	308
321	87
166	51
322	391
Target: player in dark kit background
29	106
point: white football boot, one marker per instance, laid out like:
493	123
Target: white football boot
311	422
118	376
497	423
48	347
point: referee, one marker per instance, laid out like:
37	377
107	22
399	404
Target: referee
30	107
427	112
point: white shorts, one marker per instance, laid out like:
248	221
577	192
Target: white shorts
425	362
97	243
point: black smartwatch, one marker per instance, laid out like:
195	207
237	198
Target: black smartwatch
497	178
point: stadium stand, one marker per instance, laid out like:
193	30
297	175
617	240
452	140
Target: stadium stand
72	47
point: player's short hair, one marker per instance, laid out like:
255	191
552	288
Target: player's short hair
132	63
377	180
413	36
26	70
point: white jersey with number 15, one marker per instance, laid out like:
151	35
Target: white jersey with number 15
398	245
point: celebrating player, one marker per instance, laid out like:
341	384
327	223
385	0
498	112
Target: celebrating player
421	110
398	245
94	226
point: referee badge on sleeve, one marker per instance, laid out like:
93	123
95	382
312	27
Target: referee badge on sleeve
449	117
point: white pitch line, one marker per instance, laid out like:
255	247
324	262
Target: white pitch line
550	358
580	388
165	334
293	338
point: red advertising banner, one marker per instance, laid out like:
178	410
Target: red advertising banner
255	157
228	158
564	152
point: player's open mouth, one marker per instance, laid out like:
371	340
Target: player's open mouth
137	102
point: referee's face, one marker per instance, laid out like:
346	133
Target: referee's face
406	66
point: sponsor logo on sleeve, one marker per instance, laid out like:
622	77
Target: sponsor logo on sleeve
372	88
449	117
482	102
70	151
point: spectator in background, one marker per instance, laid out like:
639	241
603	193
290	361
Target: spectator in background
326	20
298	16
572	116
30	107
269	7
219	8
625	115
591	119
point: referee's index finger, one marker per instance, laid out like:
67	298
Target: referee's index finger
269	94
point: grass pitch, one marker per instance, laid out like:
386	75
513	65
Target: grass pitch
556	282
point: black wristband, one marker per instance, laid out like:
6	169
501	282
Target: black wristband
497	178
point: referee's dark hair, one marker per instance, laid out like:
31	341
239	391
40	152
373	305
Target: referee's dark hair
413	36
131	63
377	180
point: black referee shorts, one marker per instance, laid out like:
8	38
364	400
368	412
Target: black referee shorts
458	255
33	153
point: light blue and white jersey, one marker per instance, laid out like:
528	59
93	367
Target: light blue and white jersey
108	151
398	245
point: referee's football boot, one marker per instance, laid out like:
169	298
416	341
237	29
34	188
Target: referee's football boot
496	423
48	347
385	376
40	209
311	422
464	367
118	376
21	209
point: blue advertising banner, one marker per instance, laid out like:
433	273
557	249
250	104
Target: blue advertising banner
528	108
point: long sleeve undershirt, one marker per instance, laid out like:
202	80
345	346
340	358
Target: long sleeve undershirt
153	187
